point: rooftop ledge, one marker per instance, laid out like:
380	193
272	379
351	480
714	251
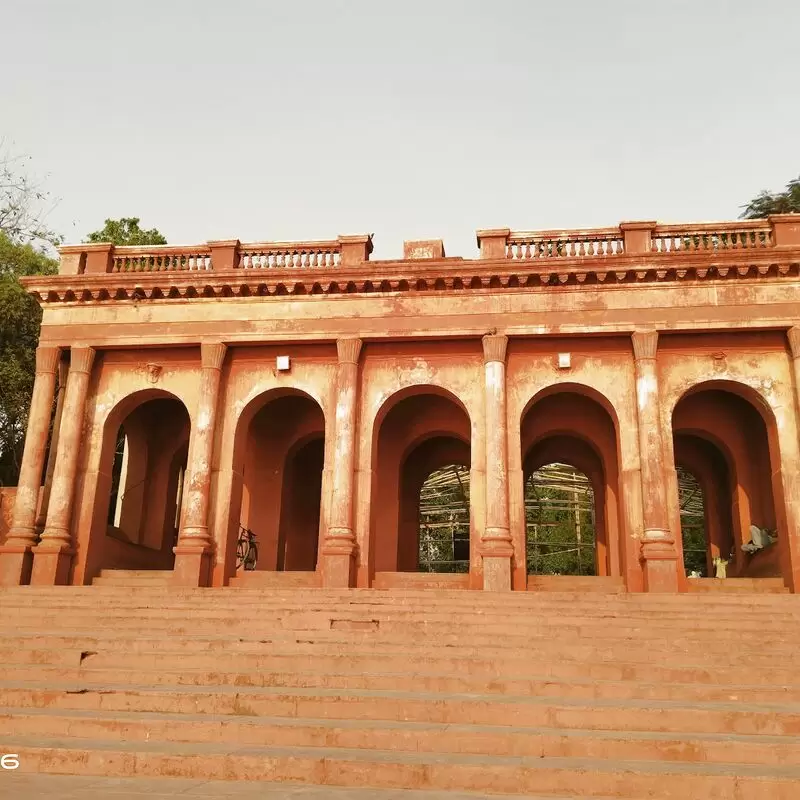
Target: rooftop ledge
626	239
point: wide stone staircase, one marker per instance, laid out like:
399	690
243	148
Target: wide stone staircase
536	694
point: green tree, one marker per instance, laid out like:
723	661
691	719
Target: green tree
20	317
766	203
126	231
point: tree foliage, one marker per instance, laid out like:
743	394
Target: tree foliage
766	203
23	202
126	231
20	317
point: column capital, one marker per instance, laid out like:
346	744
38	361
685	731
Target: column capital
212	354
81	359
793	335
47	359
348	350
494	348
645	345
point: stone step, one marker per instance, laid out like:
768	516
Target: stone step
138	640
387	769
261	616
267	579
542	742
737	585
59	787
576	583
609	715
540	686
257	654
679	669
440	598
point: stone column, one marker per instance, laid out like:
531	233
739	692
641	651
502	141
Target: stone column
53	556
496	546
658	554
339	548
15	555
793	335
41	519
193	551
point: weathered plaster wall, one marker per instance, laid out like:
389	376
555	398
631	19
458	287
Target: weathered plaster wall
691	305
121	381
249	380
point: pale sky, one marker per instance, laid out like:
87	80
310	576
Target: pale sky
303	120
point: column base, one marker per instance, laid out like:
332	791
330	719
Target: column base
192	566
497	572
16	563
338	568
51	566
660	562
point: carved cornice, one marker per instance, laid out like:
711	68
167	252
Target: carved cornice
348	350
212	354
47	359
440	276
793	335
645	345
494	348
81	359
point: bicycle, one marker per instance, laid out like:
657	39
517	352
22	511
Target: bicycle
246	549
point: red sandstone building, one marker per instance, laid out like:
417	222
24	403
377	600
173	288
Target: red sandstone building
305	391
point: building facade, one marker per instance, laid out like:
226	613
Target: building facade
305	391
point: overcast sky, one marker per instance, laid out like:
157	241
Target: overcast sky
303	120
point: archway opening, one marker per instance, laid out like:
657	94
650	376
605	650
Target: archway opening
279	454
421	517
560	536
571	519
694	536
142	471
722	448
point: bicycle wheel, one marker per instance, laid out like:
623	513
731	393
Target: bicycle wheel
252	557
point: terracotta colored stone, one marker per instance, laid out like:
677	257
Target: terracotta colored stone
304	391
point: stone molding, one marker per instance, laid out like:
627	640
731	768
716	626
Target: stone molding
348	350
47	360
448	275
212	354
81	359
793	335
494	348
645	345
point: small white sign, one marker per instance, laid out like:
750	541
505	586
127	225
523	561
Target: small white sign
564	360
282	363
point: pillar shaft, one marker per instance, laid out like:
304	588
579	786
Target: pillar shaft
658	554
15	556
193	551
54	553
340	545
496	546
63	371
793	334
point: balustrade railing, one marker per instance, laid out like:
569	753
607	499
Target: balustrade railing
638	239
564	244
277	255
160	258
711	237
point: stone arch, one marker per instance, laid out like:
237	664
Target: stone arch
142	531
416	430
738	430
278	463
575	424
